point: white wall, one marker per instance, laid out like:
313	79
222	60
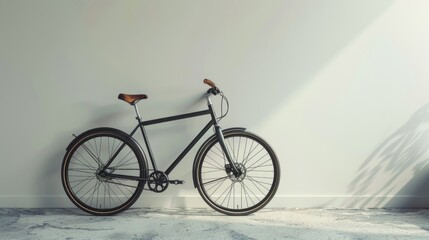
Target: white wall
338	88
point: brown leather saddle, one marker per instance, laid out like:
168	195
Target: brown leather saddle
131	98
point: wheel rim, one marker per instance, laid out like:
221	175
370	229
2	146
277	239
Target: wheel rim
247	192
99	193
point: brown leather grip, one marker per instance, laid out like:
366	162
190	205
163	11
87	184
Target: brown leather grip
210	83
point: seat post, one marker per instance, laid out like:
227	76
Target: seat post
139	118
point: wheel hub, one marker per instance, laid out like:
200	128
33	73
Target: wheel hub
103	175
239	177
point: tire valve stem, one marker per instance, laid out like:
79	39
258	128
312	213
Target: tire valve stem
74	135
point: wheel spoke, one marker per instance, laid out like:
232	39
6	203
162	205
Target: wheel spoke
220	166
259	161
211	171
245	193
220	183
84	170
91	154
222	195
258	182
222	153
251	150
119	163
82	163
249	158
228	195
86	181
217	179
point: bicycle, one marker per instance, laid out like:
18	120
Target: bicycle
105	170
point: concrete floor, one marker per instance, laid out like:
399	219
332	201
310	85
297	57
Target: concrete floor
206	224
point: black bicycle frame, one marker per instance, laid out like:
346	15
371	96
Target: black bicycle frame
168	119
141	125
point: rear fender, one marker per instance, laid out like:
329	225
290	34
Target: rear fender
88	132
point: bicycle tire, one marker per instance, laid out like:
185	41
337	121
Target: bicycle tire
86	155
247	193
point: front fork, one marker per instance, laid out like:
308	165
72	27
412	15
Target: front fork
237	172
231	166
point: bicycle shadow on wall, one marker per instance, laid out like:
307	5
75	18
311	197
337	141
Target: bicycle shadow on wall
396	174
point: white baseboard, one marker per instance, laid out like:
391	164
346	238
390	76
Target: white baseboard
195	201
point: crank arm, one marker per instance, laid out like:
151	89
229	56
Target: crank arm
176	182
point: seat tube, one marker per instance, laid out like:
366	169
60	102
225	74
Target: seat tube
149	149
146	140
139	118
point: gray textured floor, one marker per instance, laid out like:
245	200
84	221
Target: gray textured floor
206	224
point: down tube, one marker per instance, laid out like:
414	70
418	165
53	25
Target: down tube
189	147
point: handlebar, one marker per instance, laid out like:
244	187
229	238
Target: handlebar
209	82
213	89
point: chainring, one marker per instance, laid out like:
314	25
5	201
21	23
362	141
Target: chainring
158	181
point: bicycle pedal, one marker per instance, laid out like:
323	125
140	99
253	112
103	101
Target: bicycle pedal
176	182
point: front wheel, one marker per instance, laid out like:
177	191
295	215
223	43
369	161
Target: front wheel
242	194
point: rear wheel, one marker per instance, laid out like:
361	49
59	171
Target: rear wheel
82	177
242	194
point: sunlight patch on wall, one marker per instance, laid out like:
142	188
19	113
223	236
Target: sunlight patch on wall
348	109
